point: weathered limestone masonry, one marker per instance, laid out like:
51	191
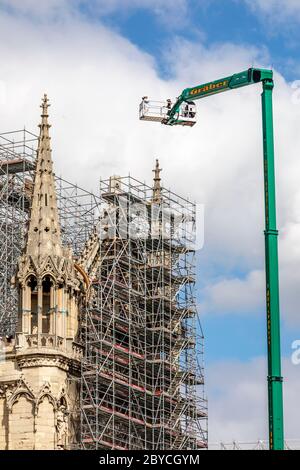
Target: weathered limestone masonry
38	376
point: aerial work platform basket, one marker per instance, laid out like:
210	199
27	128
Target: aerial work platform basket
157	111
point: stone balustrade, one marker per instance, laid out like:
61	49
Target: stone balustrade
49	341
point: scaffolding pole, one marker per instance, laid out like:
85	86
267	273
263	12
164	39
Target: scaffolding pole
142	372
141	383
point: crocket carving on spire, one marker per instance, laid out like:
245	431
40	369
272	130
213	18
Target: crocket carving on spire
50	288
44	229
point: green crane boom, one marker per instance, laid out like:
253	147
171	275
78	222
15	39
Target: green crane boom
174	116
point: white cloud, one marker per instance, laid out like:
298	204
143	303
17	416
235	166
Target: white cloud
95	78
244	295
278	10
44	9
234	295
165	10
238	401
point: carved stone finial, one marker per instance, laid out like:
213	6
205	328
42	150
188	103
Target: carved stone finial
157	180
45	105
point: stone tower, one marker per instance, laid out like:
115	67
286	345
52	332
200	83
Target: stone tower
39	373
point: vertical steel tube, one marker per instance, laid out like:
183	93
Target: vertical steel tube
276	437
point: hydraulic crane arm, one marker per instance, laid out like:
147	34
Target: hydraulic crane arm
183	112
238	80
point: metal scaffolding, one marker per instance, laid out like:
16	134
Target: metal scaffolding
16	169
289	444
78	211
142	372
141	380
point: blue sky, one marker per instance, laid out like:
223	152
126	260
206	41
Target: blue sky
230	336
214	21
96	59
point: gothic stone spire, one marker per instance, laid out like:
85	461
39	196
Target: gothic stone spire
44	236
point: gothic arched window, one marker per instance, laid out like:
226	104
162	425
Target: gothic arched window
46	311
32	283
